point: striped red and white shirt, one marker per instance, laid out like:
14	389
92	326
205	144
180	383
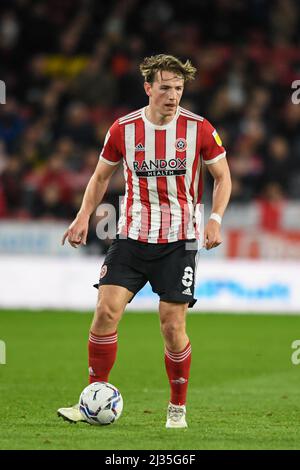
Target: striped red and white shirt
163	173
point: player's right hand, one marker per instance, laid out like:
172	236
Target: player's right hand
212	235
76	233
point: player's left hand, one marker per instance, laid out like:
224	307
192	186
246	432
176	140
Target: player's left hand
212	234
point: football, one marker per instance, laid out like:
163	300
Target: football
101	403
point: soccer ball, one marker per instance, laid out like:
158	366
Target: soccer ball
101	403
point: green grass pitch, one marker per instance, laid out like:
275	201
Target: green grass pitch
243	392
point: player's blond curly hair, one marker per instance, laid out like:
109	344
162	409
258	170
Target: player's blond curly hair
157	63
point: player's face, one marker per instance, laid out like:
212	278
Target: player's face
165	93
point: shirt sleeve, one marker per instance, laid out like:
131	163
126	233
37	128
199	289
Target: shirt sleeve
212	149
111	152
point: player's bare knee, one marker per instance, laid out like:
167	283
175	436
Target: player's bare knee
106	314
172	331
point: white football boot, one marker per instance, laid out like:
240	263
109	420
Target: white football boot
71	414
176	416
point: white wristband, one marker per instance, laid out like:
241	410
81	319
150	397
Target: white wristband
216	217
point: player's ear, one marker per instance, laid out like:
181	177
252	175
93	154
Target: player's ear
148	88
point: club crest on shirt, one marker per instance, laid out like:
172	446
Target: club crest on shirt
180	144
103	271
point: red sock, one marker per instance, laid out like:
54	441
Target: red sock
102	356
178	370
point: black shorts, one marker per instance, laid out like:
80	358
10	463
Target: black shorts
169	267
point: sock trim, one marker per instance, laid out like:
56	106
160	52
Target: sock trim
103	336
105	339
179	357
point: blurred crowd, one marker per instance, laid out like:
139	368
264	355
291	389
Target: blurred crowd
71	68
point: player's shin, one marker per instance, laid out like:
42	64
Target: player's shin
102	355
178	370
